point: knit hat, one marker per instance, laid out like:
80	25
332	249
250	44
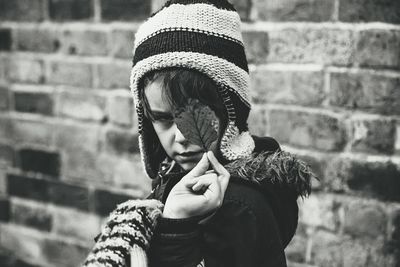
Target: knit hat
204	36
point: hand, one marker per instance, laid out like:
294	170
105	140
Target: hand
198	192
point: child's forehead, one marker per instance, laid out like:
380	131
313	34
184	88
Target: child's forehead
156	97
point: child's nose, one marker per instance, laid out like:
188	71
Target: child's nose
179	137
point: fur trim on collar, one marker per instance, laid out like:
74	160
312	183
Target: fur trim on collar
277	167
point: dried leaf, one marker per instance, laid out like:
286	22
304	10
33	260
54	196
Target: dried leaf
198	124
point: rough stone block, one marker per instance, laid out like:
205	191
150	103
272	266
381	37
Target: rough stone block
369	10
122	43
288	87
85	42
326	249
37	39
82	106
121	108
365	91
258	120
7	154
6	129
320	211
24	243
308	45
125	9
4	210
76	224
70	73
373	135
31	215
32	132
68	195
39	103
5	39
114	75
121	142
243	7
44	162
62	253
378	48
26	187
22	10
26	70
256	45
293	10
372	179
364	220
62	10
296	250
320	131
4	98
106	201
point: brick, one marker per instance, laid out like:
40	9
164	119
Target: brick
37	39
32	132
373	135
85	42
256	46
22	10
76	224
320	211
122	43
307	45
258	120
7	154
364	220
70	73
303	129
125	9
128	173
26	70
61	253
114	75
25	244
106	201
68	195
394	233
355	254
81	166
71	137
243	7
6	129
378	48
369	10
62	10
82	106
366	91
31	216
4	210
293	10
397	142
39	103
3	183
4	61
44	162
4	98
26	187
304	88
8	260
372	179
121	142
5	39
326	249
296	250
121	108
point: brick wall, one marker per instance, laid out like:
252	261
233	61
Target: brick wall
325	83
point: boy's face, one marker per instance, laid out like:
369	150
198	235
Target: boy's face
174	143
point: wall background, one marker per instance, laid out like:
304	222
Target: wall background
325	83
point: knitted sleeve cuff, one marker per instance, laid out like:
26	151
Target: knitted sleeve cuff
177	226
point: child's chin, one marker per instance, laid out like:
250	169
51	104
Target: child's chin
187	166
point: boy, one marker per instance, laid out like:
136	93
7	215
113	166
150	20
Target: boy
229	197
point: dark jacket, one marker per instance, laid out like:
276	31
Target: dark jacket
256	221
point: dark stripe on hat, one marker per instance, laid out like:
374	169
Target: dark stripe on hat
221	4
187	41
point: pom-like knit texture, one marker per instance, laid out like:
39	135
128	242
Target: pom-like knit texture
203	36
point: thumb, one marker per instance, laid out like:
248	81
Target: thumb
201	167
